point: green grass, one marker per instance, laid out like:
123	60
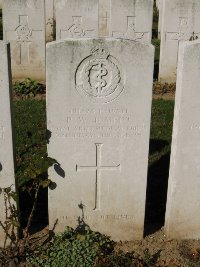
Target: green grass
161	129
30	133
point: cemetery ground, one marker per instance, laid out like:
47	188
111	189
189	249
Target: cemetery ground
84	247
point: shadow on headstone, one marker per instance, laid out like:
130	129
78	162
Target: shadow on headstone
59	170
156	196
1	167
82	226
48	135
52	231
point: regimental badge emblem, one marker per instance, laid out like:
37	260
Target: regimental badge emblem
24	33
100	77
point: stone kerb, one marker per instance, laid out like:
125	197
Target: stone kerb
95	88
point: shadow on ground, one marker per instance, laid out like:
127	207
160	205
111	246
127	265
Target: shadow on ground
156	196
40	218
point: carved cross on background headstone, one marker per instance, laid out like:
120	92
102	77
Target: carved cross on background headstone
104	17
98	168
76	30
131	32
183	34
23	35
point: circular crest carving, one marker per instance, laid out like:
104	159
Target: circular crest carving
99	77
24	33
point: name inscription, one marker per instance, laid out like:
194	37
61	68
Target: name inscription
99	123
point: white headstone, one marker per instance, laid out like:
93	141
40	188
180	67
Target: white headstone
183	205
131	19
76	18
24	28
180	22
6	138
49	9
99	107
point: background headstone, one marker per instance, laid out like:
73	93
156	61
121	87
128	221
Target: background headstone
180	22
6	137
131	19
183	205
49	10
76	18
98	111
24	28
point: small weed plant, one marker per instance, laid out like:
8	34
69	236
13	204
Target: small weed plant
16	248
85	248
73	248
28	87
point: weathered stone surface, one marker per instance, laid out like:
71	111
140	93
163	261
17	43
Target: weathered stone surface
98	111
76	18
180	22
131	19
6	137
183	205
24	28
49	11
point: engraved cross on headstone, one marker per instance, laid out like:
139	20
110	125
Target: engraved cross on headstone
98	168
104	17
76	30
131	32
183	34
23	35
104	21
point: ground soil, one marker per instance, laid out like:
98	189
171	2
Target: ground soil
171	253
167	252
164	91
165	96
